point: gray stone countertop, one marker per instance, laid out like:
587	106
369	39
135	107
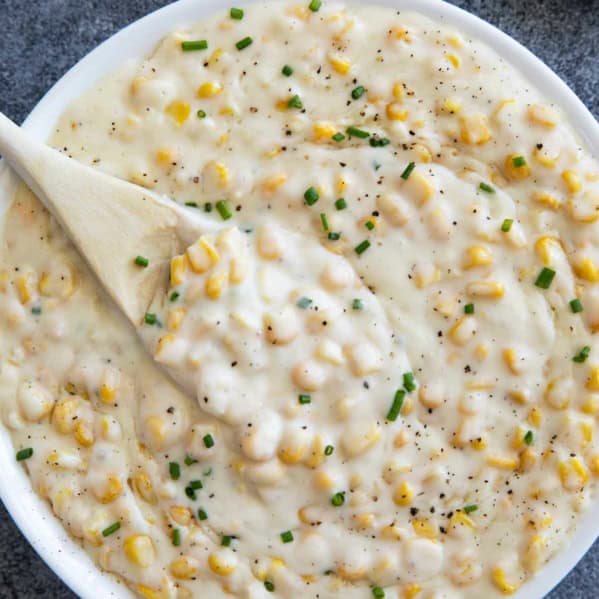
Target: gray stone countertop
40	40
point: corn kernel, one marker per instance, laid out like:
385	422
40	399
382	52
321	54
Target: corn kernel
502	583
485	289
179	111
463	330
112	489
503	462
202	255
475	129
424	527
140	551
540	114
178	270
215	284
516	173
573	474
83	434
23	285
404	494
210	89
545	157
586	269
340	65
476	256
143	487
572	181
395	112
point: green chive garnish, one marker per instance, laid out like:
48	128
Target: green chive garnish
208	207
362	247
340	204
37	310
150	318
201	114
369	225
287	71
191	204
190	493
338	137
236	13
202	515
519	161
196	485
506	225
295	102
174	296
378	593
358	92
470	508
408	171
226	541
223	209
379	142
545	278
174	470
328	450
355	132
111	529
142	261
576	306
529	438
395	408
304	302
334	236
244	43
194	45
409	384
311	196
338	499
469	309
357	304
287	536
269	586
176	537
24	454
189	460
208	441
486	187
315	5
324	221
304	398
582	355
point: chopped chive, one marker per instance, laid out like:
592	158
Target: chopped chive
287	536
357	304
470	508
223	209
395	408
295	102
201	114
150	318
328	450
208	441
338	499
226	541
576	306
315	5
207	472
208	207
176	537
236	13
111	529
582	355
174	470
409	384
189	460
529	438
408	171
24	454
287	71
191	204
362	247
355	132
545	278
519	161
174	296
379	142
142	261
338	137
194	45
311	196
378	593
196	485
244	43
486	187
358	92
202	515
506	225
304	302
469	309
190	493
324	221
334	236
269	586
304	398
340	204
369	225
37	310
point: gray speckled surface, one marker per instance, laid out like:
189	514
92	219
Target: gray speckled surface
40	40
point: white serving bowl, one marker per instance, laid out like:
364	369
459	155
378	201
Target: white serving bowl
32	514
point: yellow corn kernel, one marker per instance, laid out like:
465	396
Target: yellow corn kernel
572	181
210	89
299	11
516	173
215	56
364	520
573	474
215	284
404	494
143	487
23	286
540	114
454	60
395	112
202	255
63	416
586	269
481	351
546	248
323	131
510	357
340	65
273	183
341	185
424	527
411	590
175	318
502	583
401	439
586	431
418	187
83	434
220	564
178	269
456	41
485	289
479	443
460	518
111	490
180	514
594	464
140	551
533	553
544	158
165	155
476	256
521	396
316	456
401	33
156	427
474	129
292	453
502	462
137	84
547	200
238	268
179	111
397	90
450	106
463	330
591	405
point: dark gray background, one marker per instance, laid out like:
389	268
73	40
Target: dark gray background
40	40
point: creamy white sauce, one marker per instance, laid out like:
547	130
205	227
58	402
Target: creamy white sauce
292	346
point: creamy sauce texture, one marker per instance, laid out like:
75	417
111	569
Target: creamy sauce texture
387	352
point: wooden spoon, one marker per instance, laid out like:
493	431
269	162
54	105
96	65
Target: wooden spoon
110	221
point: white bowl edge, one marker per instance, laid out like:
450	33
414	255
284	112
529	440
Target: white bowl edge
33	515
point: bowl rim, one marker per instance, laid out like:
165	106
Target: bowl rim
32	514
